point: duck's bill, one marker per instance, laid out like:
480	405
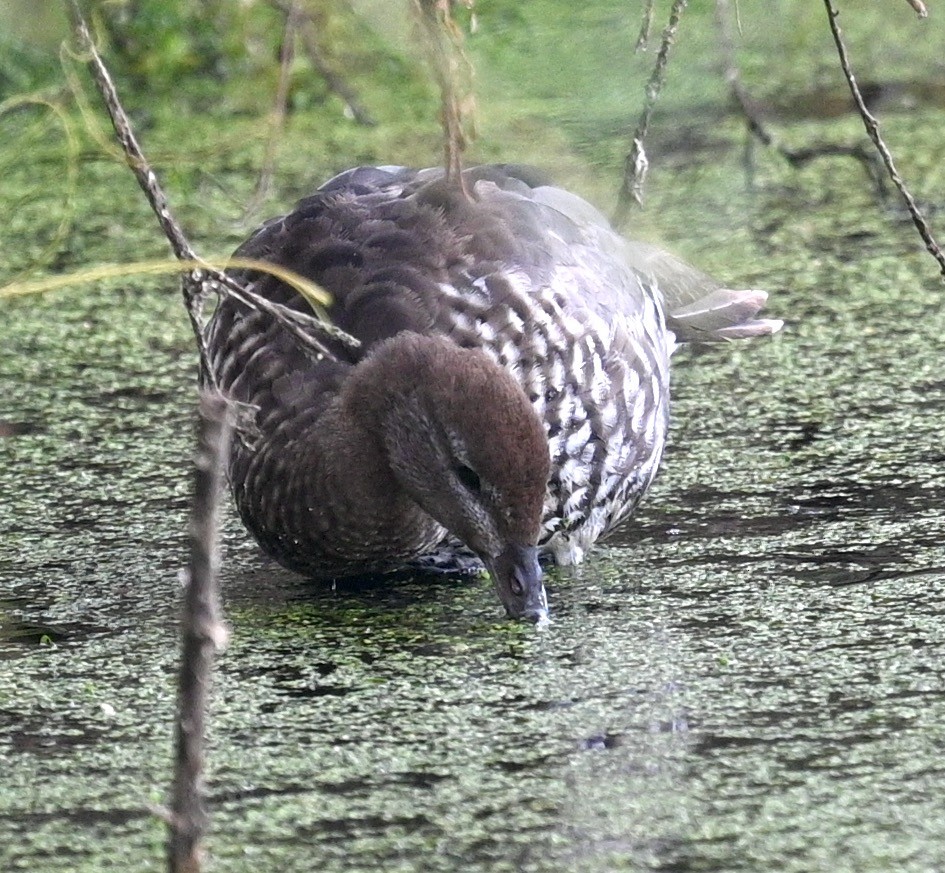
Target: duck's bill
517	576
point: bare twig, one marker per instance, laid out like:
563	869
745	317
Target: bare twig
202	280
646	25
636	163
919	7
277	115
453	72
796	157
191	284
135	157
301	326
202	633
872	130
723	18
336	83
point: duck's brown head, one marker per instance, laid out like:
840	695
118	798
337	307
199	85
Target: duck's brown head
465	443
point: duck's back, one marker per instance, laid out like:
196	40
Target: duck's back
527	272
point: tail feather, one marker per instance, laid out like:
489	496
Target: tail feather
722	314
698	308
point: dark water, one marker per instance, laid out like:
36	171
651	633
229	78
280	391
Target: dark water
749	677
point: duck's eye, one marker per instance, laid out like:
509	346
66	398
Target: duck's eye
469	477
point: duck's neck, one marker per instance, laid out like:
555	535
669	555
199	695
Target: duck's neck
337	488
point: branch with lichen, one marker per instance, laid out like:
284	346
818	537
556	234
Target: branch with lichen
636	164
202	634
646	24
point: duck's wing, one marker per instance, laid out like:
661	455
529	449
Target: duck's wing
573	266
697	307
401	249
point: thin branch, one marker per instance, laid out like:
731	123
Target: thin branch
646	25
796	157
872	130
299	325
636	164
203	280
134	156
453	72
336	83
202	634
277	116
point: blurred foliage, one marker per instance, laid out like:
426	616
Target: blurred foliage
158	42
25	67
190	50
557	85
216	56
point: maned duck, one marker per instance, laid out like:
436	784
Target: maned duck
511	389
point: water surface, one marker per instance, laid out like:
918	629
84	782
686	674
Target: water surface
748	677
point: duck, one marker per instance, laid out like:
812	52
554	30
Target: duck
508	395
